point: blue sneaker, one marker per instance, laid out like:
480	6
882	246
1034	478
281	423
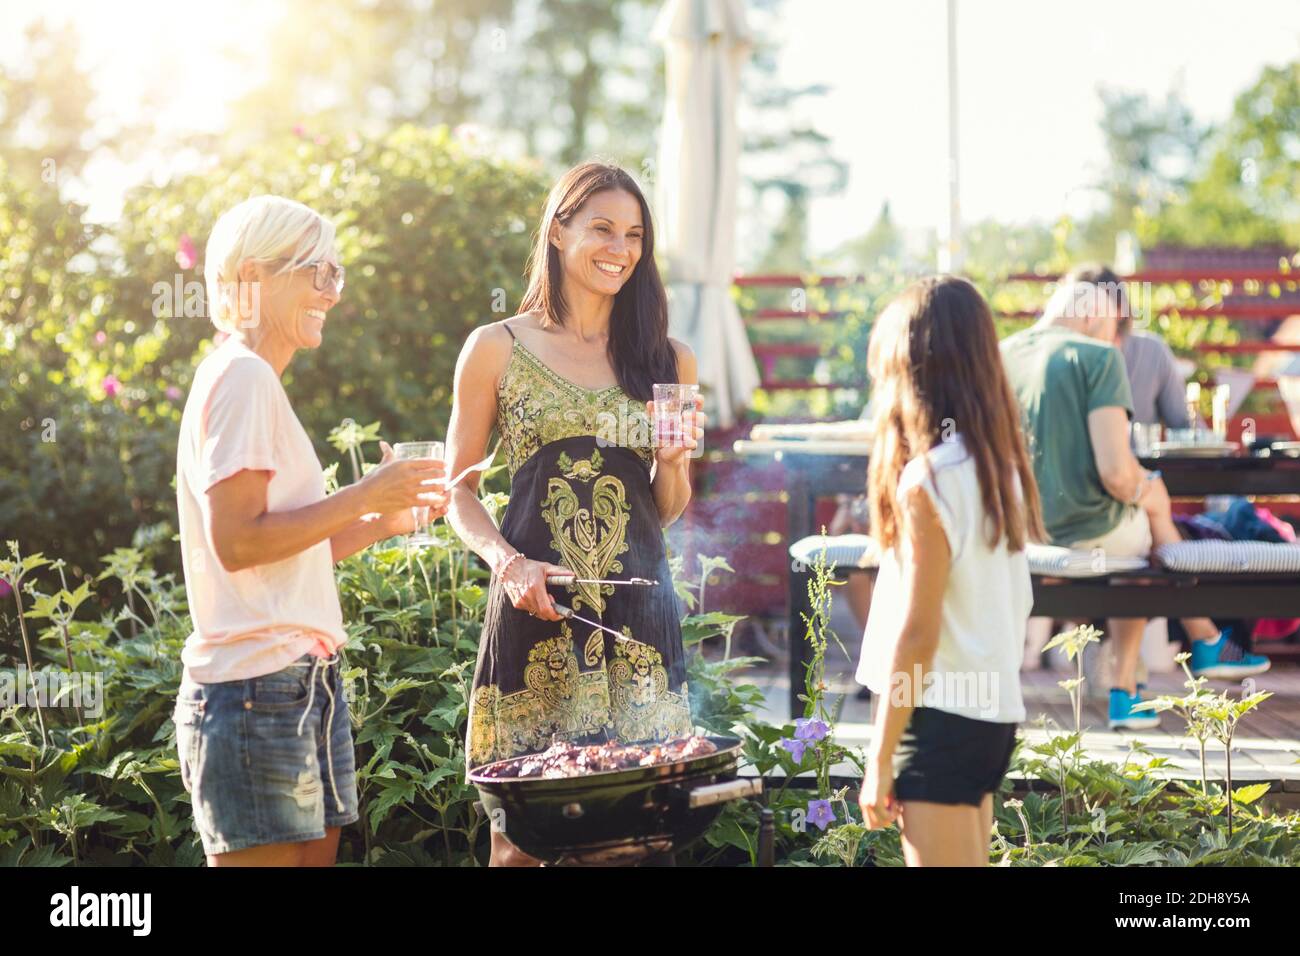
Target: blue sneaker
1122	714
1217	659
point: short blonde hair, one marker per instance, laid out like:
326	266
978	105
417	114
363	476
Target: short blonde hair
264	227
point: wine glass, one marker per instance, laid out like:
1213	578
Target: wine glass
430	450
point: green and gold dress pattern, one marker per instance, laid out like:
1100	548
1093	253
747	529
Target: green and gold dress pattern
580	496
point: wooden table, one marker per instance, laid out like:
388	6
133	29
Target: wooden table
822	469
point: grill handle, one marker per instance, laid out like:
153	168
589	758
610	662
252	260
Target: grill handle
727	790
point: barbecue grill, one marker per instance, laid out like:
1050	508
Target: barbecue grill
614	817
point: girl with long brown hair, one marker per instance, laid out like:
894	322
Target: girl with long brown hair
953	503
567	383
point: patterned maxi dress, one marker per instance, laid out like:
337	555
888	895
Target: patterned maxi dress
580	497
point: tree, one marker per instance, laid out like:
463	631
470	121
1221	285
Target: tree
558	78
881	244
338	65
1248	192
45	99
580	76
1154	150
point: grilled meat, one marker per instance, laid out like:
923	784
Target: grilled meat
564	759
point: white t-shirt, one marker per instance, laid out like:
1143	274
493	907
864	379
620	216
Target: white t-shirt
976	668
256	621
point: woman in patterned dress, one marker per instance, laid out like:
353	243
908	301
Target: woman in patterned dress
566	384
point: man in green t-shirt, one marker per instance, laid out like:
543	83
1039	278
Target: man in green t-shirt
1060	377
1073	391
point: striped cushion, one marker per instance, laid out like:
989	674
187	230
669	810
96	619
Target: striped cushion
1052	561
1236	557
863	551
842	551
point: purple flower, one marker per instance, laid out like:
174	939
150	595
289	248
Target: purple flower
186	255
173	392
111	385
820	814
796	748
810	728
5	589
100	338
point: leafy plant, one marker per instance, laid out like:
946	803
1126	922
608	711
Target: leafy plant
1209	715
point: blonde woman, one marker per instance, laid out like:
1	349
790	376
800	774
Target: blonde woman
262	727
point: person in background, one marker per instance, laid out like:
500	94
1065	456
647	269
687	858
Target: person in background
953	503
1073	392
1157	387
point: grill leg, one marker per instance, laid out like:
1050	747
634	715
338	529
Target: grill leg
767	838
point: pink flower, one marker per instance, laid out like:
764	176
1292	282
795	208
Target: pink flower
100	338
111	385
185	254
5	589
298	130
173	392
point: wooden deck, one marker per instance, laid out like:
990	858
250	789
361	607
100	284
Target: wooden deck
1266	748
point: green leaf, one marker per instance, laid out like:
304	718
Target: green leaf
392	794
1249	794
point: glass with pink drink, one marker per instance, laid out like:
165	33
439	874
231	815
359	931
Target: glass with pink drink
674	414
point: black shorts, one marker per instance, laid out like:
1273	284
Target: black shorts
945	758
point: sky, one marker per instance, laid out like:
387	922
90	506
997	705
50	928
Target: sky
1028	75
1028	71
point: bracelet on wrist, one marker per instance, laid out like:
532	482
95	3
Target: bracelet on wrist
505	565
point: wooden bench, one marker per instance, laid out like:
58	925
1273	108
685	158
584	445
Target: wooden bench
1147	593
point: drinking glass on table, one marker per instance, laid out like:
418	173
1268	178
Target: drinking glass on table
1222	393
674	414
1145	437
431	450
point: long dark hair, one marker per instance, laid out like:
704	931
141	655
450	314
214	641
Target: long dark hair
638	347
935	365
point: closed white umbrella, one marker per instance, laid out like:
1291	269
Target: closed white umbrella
707	43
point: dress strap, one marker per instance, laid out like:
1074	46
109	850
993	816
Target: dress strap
510	330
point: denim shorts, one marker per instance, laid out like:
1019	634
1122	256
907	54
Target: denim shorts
268	759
